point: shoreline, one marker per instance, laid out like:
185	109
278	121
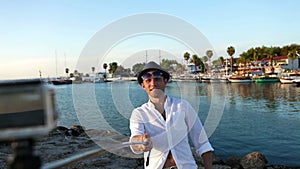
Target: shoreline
63	143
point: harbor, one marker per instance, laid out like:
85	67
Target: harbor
260	117
72	72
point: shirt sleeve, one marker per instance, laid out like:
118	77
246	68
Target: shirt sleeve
136	127
196	130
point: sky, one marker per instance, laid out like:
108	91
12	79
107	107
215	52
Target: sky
44	37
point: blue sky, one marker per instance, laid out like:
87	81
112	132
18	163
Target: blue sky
50	35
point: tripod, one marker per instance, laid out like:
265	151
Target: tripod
23	155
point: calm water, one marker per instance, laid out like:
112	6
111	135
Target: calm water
240	118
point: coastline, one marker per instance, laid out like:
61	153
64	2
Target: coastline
63	143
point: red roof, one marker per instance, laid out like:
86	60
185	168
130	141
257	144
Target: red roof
274	58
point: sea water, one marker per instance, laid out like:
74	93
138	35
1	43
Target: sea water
239	118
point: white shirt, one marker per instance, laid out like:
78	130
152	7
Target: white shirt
170	134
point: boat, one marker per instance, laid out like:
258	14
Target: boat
286	80
186	77
240	79
289	78
99	80
267	79
205	79
219	79
114	79
297	82
213	79
60	81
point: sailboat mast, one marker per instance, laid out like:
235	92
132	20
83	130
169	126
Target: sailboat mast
159	57
146	57
56	62
65	60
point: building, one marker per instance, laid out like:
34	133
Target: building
282	62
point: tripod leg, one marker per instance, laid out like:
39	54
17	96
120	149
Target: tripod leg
23	155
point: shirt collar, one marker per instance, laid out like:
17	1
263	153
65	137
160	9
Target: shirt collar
165	105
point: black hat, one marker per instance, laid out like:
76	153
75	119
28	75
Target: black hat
152	66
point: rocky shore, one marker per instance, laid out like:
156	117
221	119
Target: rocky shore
63	143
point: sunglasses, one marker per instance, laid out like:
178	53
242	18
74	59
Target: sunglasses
153	75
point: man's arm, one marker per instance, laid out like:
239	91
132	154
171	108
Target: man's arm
141	138
207	160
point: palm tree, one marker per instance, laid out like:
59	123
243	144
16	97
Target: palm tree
195	60
221	60
209	54
67	71
186	56
198	63
93	69
105	67
292	55
231	51
113	67
75	72
271	56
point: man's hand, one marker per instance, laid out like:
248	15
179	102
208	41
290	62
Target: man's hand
142	138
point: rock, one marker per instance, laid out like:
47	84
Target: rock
234	162
216	160
218	166
76	130
282	167
255	160
58	131
56	146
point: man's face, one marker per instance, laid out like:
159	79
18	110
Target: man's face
154	83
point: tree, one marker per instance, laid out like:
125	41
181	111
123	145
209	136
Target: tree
138	67
122	71
243	61
93	69
198	63
209	54
221	60
293	55
77	75
231	51
195	61
67	71
271	56
171	65
113	67
186	56
205	59
105	67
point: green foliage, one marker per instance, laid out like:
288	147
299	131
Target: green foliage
122	71
209	53
105	66
138	67
230	51
67	70
113	67
186	56
171	65
218	62
198	62
292	55
204	59
259	53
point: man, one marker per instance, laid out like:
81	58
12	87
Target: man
163	124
